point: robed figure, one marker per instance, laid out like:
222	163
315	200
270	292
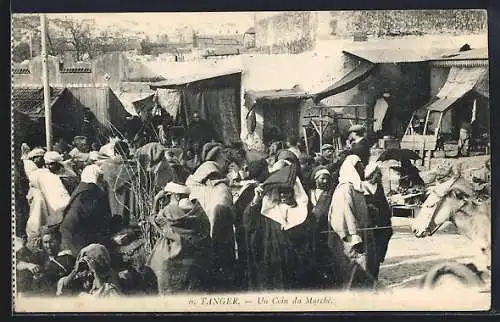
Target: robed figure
279	233
352	241
181	258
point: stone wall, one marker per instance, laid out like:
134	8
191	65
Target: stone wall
286	32
404	22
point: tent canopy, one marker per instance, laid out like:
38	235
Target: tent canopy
483	85
129	100
183	80
460	81
213	92
274	95
351	79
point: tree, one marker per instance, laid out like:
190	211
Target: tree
79	35
163	39
146	46
21	52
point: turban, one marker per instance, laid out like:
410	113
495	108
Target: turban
321	172
90	173
173	187
53	157
326	147
204	171
357	128
210	150
80	139
186	204
36	152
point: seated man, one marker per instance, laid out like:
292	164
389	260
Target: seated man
92	275
40	270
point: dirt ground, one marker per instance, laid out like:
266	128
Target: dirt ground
409	258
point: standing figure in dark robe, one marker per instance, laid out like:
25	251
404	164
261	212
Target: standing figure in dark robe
360	145
379	213
87	218
199	131
307	168
464	140
162	122
155	170
321	197
290	158
119	174
41	270
181	258
22	207
280	234
352	243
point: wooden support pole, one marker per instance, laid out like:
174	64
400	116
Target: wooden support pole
305	140
46	88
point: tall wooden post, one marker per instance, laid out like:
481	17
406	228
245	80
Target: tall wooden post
46	88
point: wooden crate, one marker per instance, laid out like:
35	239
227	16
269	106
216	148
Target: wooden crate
389	143
416	142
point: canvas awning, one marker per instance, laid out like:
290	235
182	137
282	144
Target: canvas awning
272	95
195	77
460	82
129	100
353	78
483	85
169	100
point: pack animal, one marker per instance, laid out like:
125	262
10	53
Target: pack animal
454	201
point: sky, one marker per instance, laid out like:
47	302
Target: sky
154	23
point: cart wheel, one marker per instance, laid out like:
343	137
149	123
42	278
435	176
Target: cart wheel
449	273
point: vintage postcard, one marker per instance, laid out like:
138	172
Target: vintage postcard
251	161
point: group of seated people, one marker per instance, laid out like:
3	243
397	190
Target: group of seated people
304	223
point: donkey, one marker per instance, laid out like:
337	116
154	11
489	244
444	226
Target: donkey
453	201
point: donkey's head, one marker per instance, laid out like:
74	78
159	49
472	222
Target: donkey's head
443	202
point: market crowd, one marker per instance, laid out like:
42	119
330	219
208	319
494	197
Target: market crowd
293	222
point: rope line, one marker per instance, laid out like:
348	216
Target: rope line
370	228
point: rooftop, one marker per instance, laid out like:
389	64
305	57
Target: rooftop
390	56
277	94
198	75
410	55
30	100
473	54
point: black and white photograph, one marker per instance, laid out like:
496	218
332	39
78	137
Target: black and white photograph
251	161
